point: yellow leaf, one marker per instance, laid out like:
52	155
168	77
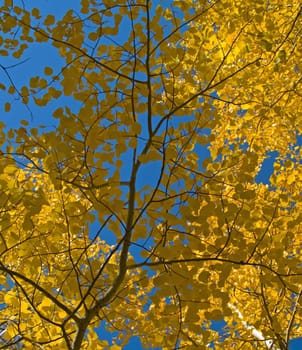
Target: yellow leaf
36	13
291	179
7	107
49	20
48	70
11	89
92	36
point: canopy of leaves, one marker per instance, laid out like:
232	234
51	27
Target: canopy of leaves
114	217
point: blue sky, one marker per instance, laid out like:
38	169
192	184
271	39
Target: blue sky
36	60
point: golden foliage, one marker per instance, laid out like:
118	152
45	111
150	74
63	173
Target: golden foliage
142	210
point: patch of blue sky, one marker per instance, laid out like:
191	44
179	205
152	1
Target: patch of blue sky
134	342
50	7
296	344
267	168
